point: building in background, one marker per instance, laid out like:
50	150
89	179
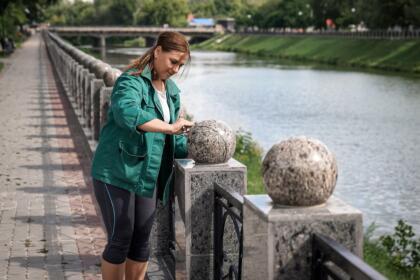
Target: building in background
200	22
227	23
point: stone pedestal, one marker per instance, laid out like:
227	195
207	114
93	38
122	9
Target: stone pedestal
277	241
194	184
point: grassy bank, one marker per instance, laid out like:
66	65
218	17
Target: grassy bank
390	55
377	257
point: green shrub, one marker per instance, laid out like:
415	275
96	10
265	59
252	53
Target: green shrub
402	247
250	153
386	258
135	43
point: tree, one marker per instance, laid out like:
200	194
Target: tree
15	13
285	13
12	16
327	9
115	12
78	13
412	13
389	13
203	8
230	8
161	12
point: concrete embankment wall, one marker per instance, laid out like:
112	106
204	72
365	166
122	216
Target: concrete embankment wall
382	54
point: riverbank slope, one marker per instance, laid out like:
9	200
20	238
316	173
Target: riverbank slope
390	55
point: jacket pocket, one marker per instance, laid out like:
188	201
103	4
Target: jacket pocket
130	161
131	154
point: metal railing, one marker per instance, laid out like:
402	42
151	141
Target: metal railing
130	30
331	260
227	204
370	34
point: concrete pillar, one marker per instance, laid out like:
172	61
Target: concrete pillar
95	92
102	45
73	71
277	241
86	100
104	101
194	188
82	93
77	85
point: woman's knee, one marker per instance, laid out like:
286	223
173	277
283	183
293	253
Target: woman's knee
139	251
116	250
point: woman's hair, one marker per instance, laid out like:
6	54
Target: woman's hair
169	41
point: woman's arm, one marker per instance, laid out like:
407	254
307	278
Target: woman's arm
127	113
156	125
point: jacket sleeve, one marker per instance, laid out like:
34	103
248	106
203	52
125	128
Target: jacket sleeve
181	146
125	103
181	141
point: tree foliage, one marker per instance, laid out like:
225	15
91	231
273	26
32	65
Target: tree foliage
389	13
78	13
262	13
160	12
203	8
284	13
16	13
115	12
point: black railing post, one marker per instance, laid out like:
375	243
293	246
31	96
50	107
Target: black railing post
317	260
227	205
218	238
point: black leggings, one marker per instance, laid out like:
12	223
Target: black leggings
128	220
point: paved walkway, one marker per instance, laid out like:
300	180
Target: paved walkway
49	228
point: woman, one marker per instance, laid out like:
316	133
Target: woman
133	163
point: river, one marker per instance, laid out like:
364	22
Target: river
371	121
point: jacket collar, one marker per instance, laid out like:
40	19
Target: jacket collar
170	86
171	89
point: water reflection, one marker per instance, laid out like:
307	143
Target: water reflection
371	121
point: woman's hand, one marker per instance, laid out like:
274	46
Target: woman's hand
181	126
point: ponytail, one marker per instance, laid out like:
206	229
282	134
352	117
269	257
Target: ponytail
140	63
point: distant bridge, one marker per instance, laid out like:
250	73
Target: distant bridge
148	32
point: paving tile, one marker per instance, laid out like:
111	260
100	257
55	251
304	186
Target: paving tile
48	228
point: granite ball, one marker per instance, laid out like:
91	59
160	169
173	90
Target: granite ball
211	142
100	68
86	60
92	64
111	76
299	171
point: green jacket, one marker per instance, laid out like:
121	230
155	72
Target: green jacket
132	159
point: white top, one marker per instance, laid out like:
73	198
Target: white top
164	104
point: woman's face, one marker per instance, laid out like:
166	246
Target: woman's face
167	64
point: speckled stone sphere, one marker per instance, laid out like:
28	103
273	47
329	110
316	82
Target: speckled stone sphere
211	141
100	68
299	171
111	76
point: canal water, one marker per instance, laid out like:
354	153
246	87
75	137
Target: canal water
370	121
